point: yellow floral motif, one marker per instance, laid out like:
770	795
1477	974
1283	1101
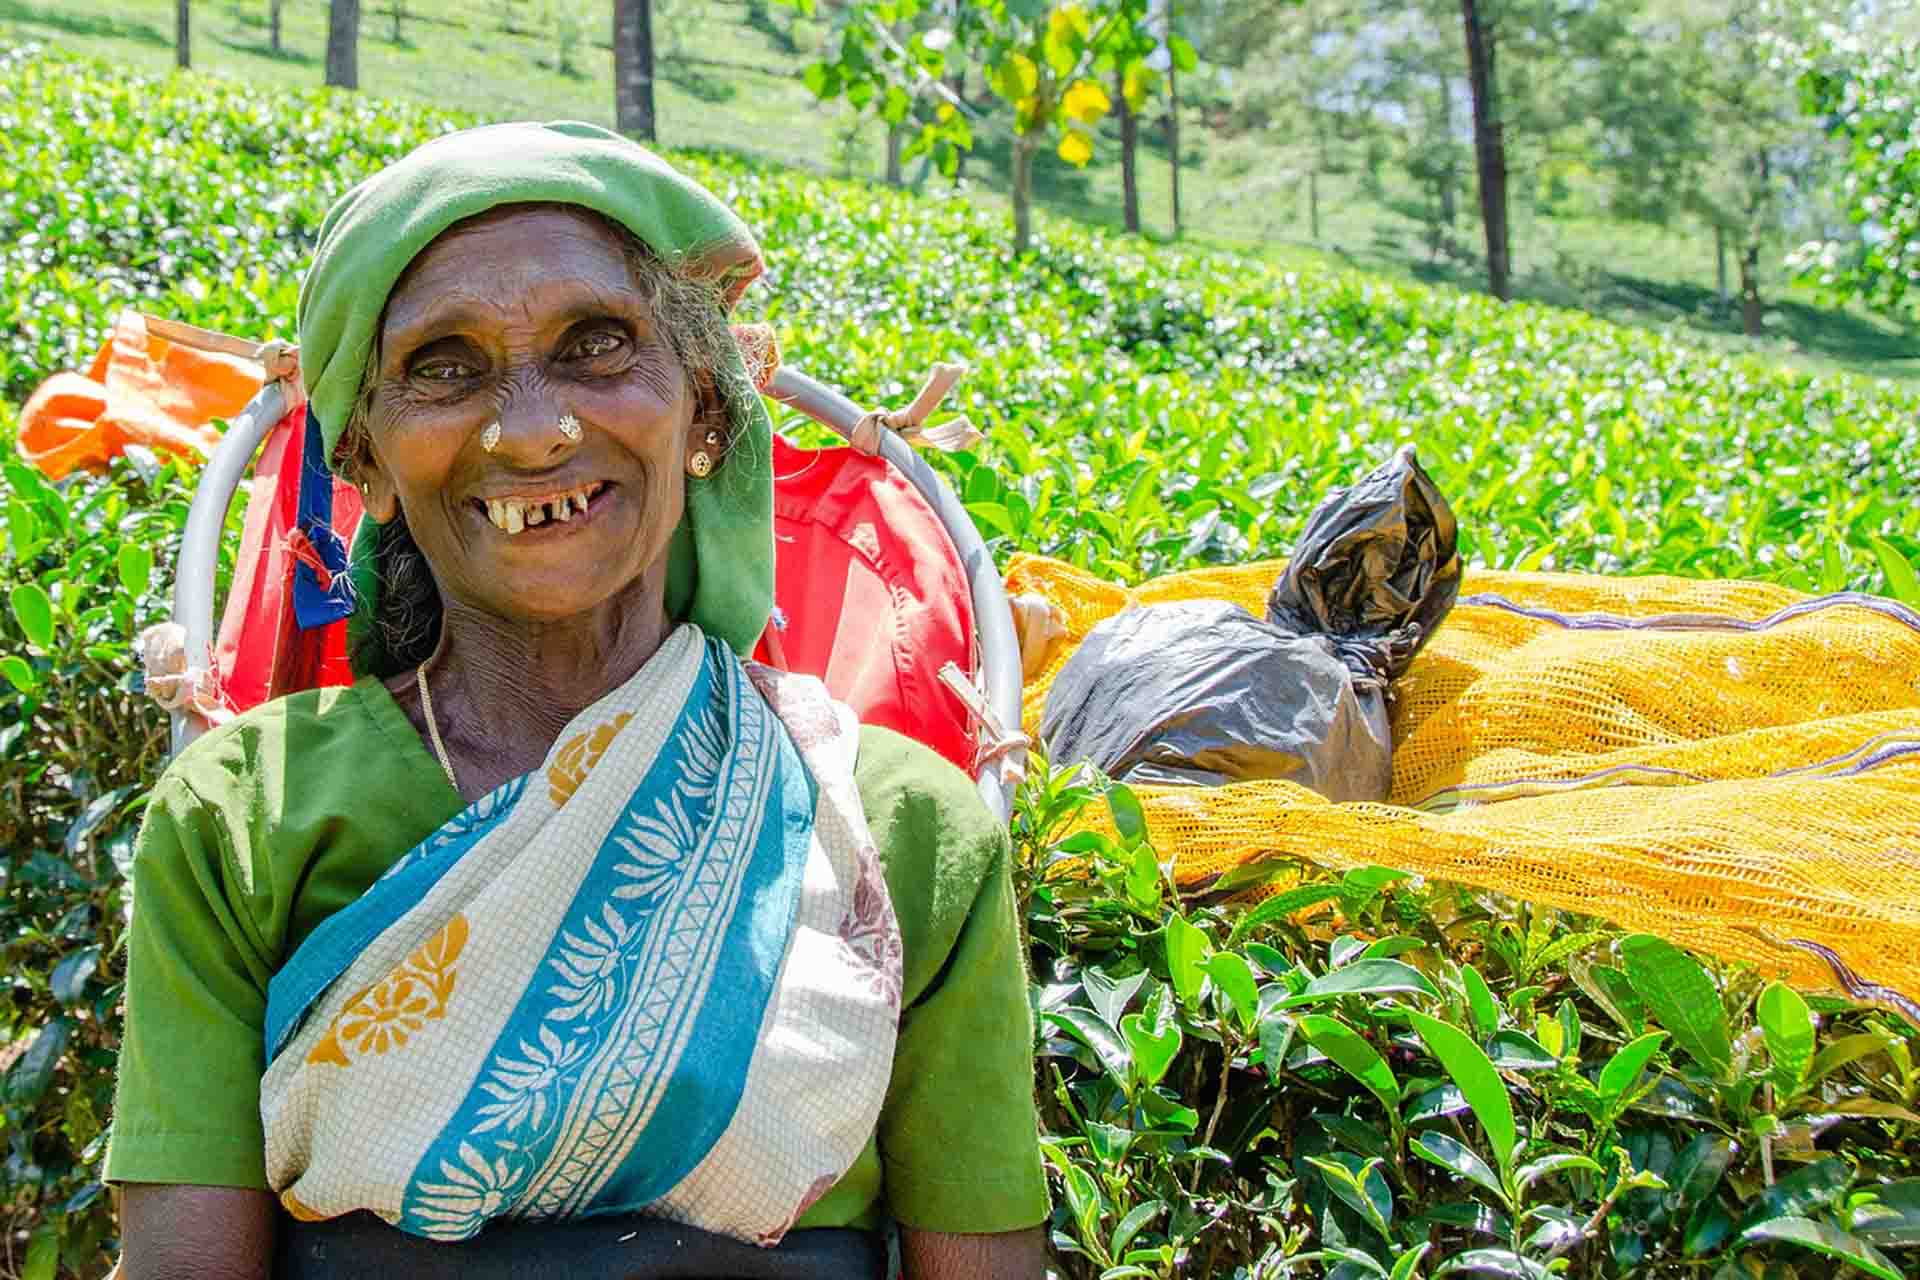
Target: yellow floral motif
387	1014
577	758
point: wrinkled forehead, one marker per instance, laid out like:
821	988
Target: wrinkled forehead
511	253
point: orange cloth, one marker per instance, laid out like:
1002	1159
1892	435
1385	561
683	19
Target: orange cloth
140	389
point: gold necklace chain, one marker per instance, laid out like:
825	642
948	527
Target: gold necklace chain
433	729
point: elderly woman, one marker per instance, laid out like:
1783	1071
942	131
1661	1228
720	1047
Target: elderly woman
563	918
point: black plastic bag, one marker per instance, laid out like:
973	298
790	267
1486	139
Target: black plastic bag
1376	569
1203	692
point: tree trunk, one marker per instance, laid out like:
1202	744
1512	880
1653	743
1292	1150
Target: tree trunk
273	26
1129	150
1750	306
1173	140
1489	147
399	12
1023	191
896	137
633	68
182	34
1319	125
1720	261
1447	209
959	86
343	44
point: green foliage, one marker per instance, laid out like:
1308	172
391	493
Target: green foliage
1045	60
1863	91
1306	1085
1038	56
79	744
1333	1131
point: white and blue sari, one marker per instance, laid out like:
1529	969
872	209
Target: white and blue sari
661	974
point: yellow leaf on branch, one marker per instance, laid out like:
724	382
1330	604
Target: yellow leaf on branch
1076	148
1086	102
1068	21
1139	83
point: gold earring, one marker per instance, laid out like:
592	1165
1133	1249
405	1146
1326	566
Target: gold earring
569	427
700	466
490	438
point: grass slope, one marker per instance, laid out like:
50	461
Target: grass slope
728	79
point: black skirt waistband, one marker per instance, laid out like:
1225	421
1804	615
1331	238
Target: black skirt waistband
360	1246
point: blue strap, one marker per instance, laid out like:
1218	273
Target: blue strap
315	605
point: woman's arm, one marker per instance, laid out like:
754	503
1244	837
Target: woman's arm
172	1232
941	1255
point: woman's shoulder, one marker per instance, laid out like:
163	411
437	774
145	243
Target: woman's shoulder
274	742
910	789
291	809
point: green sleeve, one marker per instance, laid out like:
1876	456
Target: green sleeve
959	1138
188	1103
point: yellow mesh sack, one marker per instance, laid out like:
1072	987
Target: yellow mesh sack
1731	765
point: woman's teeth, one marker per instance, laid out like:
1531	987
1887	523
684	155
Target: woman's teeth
515	514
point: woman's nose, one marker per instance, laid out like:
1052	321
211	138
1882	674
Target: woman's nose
534	431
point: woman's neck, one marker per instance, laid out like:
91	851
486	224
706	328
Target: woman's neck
503	689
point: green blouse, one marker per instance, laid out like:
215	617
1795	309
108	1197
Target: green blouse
271	823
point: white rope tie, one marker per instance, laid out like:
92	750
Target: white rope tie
949	437
173	682
1006	749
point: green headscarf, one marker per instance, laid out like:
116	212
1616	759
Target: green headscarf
380	226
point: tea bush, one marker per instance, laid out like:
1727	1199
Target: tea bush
1365	1076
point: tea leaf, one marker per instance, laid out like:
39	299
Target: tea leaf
1831	1241
34	612
1891	1220
1681	995
1187	949
1363	977
1623	1069
43	1254
1494	1262
69	980
135	562
1280	906
1839	1053
1788	1028
32	1072
1231	974
1480	1002
1485	1091
1349	1051
1152	1051
1902	583
1451	1154
1089	1030
19	672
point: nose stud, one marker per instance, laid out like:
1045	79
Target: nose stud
490	438
569	427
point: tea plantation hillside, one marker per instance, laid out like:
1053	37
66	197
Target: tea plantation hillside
1147	410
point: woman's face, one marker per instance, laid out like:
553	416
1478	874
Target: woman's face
520	317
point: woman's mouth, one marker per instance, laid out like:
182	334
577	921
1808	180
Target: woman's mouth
517	514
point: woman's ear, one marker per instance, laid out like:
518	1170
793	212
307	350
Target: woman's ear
709	433
377	493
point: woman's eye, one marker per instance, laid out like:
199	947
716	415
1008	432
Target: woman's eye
441	371
599	343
